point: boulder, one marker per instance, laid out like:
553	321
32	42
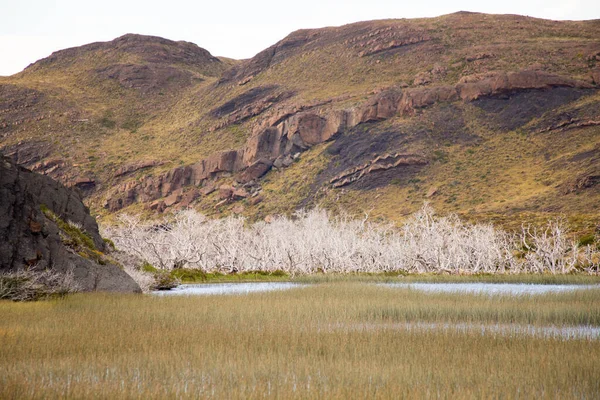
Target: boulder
287	161
278	163
172	199
422	78
158	206
208	188
432	191
239	194
188	198
255	170
256	200
226	192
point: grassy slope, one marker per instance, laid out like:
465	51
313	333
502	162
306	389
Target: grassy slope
332	341
469	181
174	125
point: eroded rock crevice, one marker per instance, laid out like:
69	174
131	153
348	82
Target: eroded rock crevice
379	163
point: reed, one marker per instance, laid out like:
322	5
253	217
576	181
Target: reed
332	340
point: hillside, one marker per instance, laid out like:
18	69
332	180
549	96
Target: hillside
491	116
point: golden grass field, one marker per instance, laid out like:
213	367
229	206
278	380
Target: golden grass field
331	340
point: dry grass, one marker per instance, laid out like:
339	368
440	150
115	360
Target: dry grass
294	345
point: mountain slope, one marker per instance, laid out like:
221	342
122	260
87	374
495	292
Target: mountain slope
486	115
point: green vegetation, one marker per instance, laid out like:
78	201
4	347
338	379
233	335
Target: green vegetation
109	243
161	280
74	237
196	275
587	240
342	340
77	237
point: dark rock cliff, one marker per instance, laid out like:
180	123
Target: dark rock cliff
44	225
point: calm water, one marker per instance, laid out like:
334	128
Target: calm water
510	330
207	289
512	289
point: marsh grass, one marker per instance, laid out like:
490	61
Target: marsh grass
286	345
539	279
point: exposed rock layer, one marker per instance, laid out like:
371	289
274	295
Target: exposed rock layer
287	132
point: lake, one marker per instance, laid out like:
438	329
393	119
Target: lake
512	289
207	289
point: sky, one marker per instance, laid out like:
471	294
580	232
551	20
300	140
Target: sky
33	29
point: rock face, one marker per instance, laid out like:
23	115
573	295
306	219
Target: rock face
291	131
32	209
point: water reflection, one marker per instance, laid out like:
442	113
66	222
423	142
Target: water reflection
208	289
513	289
508	330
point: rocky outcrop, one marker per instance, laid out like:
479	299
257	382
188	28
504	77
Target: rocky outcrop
572	123
379	163
44	225
129	168
146	78
584	181
255	170
386	39
247	105
474	87
291	131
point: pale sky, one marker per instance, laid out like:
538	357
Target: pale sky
32	29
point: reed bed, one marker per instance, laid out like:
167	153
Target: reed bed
290	345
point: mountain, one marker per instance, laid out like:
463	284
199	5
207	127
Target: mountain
490	116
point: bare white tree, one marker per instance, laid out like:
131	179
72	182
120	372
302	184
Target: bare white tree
31	284
549	249
313	241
